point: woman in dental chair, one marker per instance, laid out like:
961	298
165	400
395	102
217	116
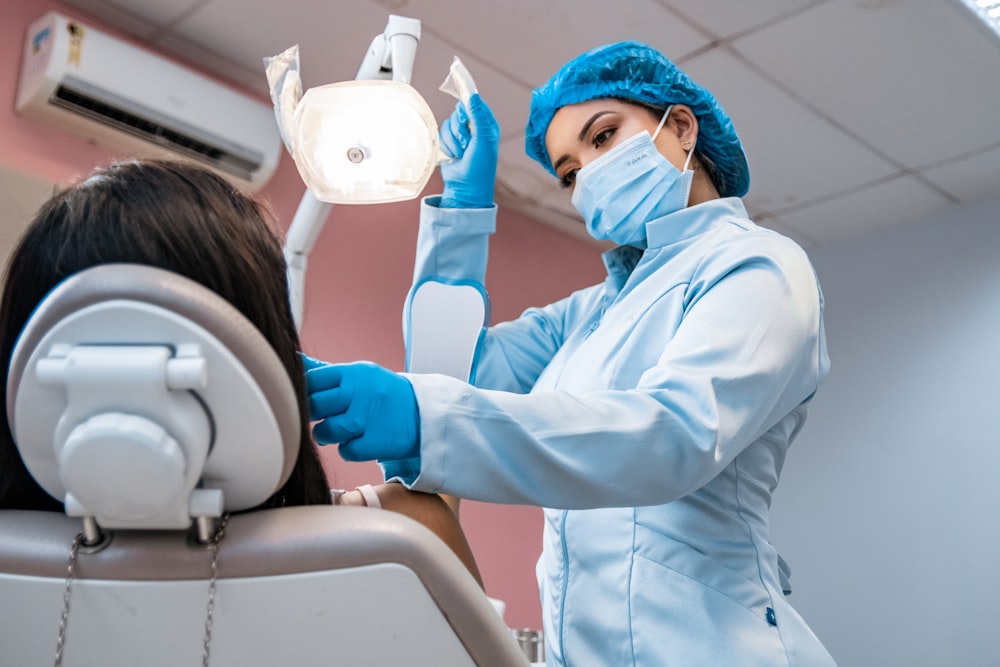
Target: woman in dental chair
187	220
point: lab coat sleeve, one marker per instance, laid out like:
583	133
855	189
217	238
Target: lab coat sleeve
452	243
746	354
513	354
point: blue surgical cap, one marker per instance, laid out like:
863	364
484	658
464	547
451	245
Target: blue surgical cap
634	71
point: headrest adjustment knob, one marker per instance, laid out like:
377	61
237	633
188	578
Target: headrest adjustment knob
148	467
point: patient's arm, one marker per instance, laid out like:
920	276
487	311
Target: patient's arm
426	508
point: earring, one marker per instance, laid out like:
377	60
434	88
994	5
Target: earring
687	145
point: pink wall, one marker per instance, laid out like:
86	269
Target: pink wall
358	276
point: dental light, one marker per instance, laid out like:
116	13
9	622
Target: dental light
365	142
368	141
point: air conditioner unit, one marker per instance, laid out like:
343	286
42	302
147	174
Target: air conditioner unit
137	103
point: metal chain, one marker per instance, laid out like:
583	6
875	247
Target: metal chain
210	608
67	592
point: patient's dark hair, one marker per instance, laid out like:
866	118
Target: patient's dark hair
177	217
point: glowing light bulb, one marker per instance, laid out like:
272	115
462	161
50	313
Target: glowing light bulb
362	142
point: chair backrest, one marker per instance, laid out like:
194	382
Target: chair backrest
147	403
319	585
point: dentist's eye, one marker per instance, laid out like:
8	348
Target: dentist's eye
568	179
603	137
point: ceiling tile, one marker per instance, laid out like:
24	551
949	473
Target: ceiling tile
333	37
332	45
795	156
969	178
528	40
873	207
724	18
507	99
524	177
142	18
906	77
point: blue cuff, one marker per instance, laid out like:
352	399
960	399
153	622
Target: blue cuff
468	220
404	470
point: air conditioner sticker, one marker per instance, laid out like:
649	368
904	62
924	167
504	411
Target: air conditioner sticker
40	40
41	47
75	42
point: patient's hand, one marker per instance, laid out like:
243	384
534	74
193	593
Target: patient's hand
426	508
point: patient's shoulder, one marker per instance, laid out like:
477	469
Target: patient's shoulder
426	508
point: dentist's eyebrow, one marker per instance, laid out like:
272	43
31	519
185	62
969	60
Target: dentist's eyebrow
591	121
582	135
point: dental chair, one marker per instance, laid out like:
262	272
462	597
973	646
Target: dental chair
160	416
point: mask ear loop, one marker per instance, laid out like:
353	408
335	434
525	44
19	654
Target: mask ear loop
659	127
662	121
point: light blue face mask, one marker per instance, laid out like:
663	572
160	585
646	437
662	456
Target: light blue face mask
631	184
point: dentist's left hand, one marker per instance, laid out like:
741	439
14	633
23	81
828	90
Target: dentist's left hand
369	410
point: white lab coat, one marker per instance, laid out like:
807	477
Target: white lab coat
651	415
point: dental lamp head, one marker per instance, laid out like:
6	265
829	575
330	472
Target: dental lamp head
368	141
365	142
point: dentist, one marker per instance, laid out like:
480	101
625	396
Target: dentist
649	414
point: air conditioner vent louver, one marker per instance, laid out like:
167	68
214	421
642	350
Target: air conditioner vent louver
81	103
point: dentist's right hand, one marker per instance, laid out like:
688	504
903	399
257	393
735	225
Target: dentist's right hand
472	138
369	410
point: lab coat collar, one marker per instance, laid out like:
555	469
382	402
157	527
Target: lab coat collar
693	220
666	230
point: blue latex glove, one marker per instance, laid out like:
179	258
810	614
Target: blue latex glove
369	410
469	177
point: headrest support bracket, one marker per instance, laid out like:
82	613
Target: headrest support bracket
137	467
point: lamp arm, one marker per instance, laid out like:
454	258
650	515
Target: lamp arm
401	36
391	53
299	241
376	64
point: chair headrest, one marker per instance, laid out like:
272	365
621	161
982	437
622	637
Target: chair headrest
142	399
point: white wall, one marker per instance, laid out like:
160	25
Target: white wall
889	506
